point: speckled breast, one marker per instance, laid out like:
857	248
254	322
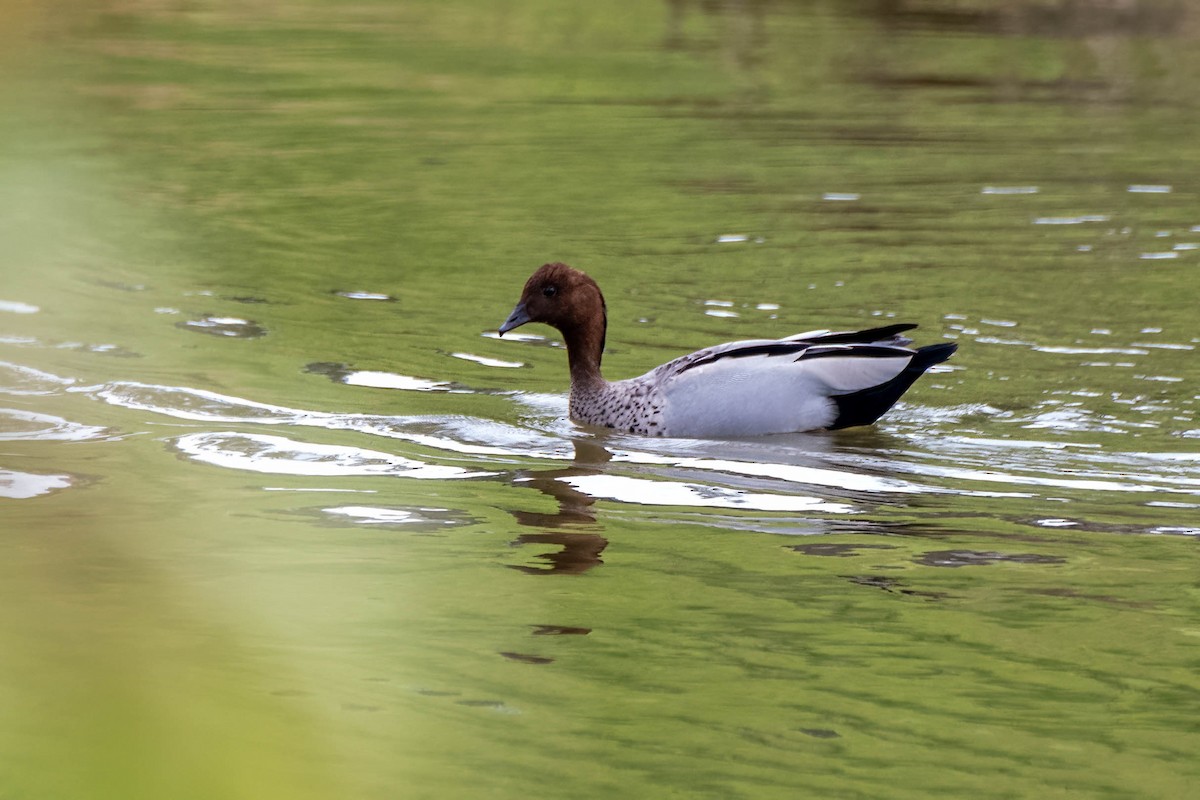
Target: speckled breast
631	406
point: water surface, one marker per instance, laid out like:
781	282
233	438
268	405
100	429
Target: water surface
285	517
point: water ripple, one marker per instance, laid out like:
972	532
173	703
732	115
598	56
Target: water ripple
356	295
17	379
232	327
640	491
488	362
790	473
1009	190
394	515
204	406
1072	220
374	379
24	485
748	474
281	456
30	426
17	307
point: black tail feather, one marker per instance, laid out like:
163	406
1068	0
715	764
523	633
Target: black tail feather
863	337
867	405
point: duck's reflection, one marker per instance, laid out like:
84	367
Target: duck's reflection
580	549
580	552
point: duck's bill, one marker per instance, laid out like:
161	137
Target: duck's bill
516	319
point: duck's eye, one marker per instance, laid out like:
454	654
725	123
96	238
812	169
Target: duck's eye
549	291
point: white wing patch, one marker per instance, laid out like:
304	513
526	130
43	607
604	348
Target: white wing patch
853	373
759	386
760	394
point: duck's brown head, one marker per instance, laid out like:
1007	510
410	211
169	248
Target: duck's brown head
569	300
561	296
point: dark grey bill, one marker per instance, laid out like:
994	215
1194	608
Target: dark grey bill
516	319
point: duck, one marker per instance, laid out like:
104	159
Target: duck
817	380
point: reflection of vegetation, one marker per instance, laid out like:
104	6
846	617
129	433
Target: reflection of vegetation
1045	17
1107	45
1107	67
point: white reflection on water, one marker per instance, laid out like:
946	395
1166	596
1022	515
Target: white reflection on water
390	380
488	362
1033	465
1088	484
791	473
29	426
1088	351
1018	443
320	489
17	307
392	515
281	456
234	327
205	406
16	379
520	337
998	340
23	485
373	516
1072	220
365	296
1165	345
1072	418
747	474
645	492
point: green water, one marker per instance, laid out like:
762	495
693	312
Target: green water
264	538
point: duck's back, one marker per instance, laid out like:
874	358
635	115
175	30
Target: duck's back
750	388
797	384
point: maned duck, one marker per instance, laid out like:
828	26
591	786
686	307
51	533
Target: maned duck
810	381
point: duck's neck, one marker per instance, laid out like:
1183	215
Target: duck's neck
585	346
